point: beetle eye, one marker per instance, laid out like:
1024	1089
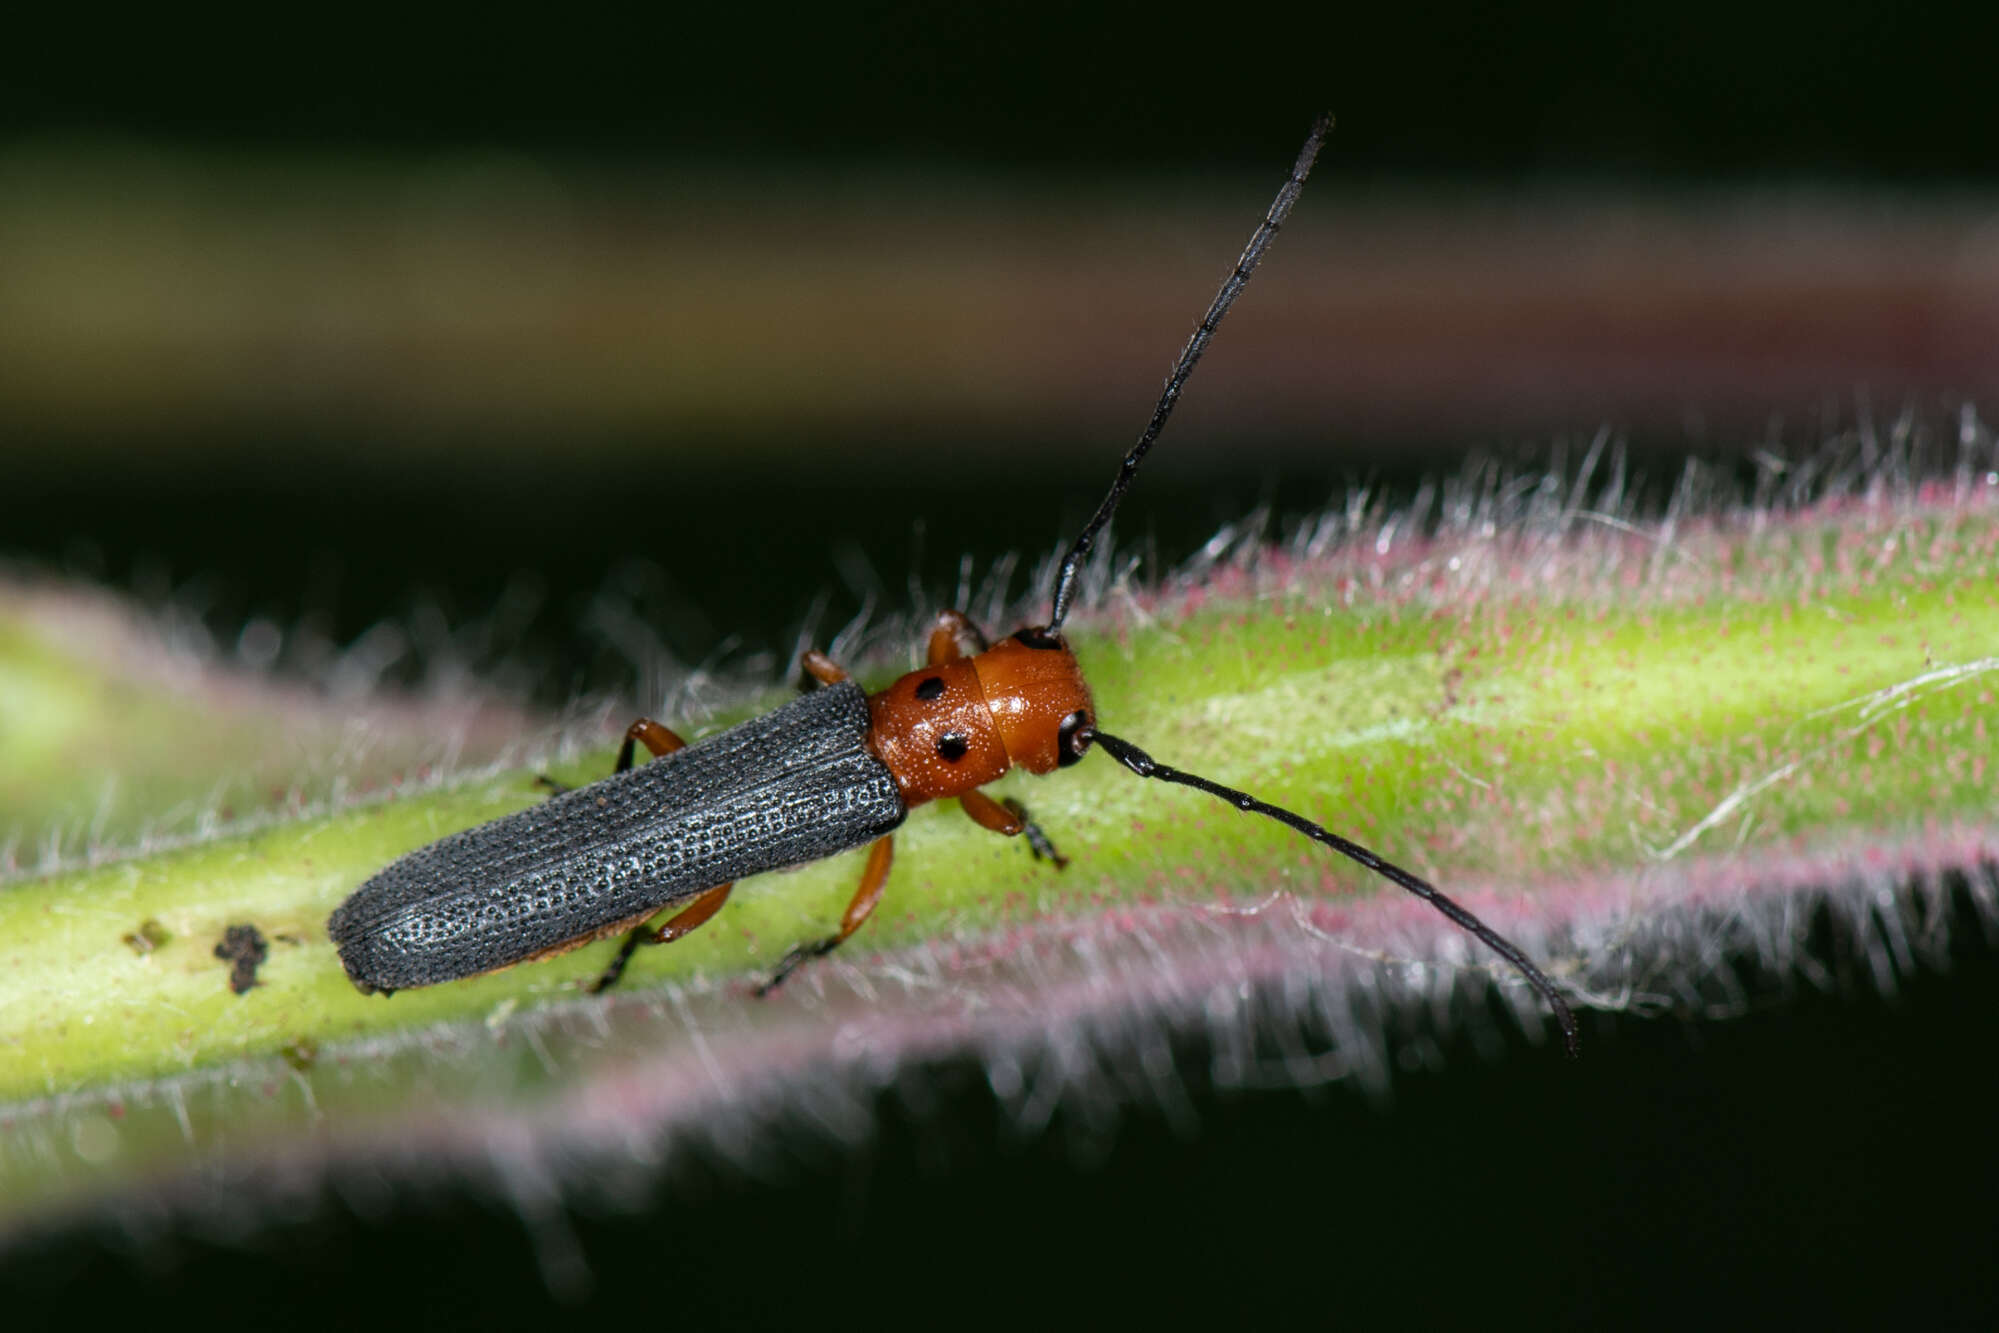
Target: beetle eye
1074	738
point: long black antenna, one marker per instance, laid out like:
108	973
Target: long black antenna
1190	355
1143	764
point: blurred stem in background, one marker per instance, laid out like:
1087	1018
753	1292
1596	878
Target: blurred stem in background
702	407
477	303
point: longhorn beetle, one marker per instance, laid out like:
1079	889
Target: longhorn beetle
828	772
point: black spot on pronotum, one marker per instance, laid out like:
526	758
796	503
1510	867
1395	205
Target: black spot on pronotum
952	746
929	688
1037	638
1073	739
244	949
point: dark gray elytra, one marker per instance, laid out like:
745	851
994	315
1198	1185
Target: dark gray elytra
793	786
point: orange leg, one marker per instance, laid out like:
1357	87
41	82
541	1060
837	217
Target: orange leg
952	636
1010	818
873	880
656	738
821	667
680	923
659	741
988	813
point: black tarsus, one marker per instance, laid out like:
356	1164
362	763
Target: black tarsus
1252	254
1038	843
615	969
1143	764
796	957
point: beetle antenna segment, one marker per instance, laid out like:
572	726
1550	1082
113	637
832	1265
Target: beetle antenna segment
1143	764
1190	355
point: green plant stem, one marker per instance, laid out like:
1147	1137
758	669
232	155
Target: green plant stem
1496	720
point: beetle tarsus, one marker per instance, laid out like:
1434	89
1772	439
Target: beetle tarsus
615	969
1038	842
684	922
798	957
874	879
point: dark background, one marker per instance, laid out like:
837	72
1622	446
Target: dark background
1829	1159
1684	92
